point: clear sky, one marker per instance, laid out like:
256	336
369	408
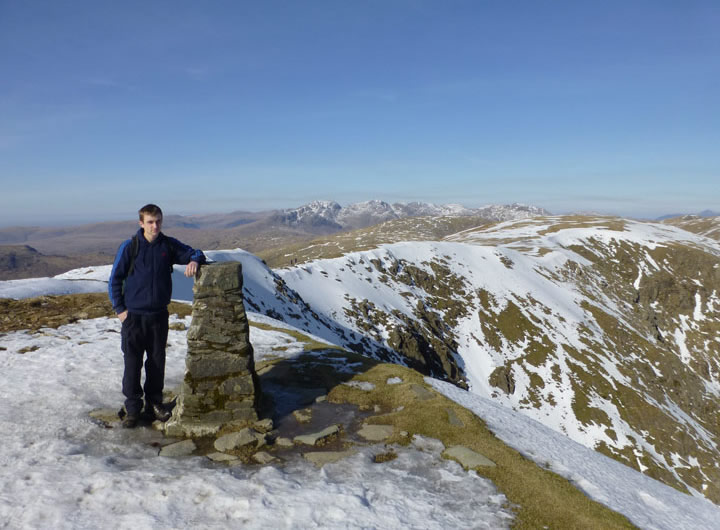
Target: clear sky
229	105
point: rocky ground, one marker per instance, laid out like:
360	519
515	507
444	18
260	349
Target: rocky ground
325	405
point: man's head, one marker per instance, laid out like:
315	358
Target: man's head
151	217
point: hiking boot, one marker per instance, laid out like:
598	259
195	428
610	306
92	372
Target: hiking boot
159	412
130	421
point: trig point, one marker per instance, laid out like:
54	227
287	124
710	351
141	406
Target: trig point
220	386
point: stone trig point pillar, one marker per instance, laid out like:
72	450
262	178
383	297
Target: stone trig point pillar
220	387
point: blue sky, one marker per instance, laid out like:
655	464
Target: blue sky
220	106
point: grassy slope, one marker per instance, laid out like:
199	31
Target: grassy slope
538	497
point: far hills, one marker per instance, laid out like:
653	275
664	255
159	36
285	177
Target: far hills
27	252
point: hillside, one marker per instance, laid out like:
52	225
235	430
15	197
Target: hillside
23	261
72	471
423	228
704	226
604	329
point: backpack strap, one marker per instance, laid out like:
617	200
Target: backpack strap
135	245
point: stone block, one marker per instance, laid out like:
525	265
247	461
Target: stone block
220	386
216	366
468	458
264	425
237	440
191	427
376	433
246	415
238	385
318	437
222	277
261	457
184	448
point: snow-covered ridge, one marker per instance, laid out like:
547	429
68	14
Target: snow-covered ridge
601	328
372	212
67	472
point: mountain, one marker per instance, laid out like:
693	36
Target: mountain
254	231
74	469
328	216
704	226
24	261
604	329
704	213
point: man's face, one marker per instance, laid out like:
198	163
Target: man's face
151	225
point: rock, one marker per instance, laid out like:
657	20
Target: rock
238	440
303	416
453	418
195	429
284	442
265	425
468	458
261	457
422	393
221	457
321	399
318	437
320	458
376	433
394	381
178	449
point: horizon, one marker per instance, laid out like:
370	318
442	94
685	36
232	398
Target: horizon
244	106
80	219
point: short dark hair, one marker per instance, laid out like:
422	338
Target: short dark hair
149	209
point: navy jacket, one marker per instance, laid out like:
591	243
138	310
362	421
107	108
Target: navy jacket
149	288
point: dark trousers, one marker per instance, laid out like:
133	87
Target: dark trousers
141	334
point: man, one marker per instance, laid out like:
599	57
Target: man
140	287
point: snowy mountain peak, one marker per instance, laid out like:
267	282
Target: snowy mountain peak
363	214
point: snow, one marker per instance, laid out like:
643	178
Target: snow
329	286
62	470
78	363
646	502
68	472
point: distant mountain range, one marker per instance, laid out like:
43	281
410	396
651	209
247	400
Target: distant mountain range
253	231
704	213
319	216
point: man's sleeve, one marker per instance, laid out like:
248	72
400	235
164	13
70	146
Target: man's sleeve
185	254
117	277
